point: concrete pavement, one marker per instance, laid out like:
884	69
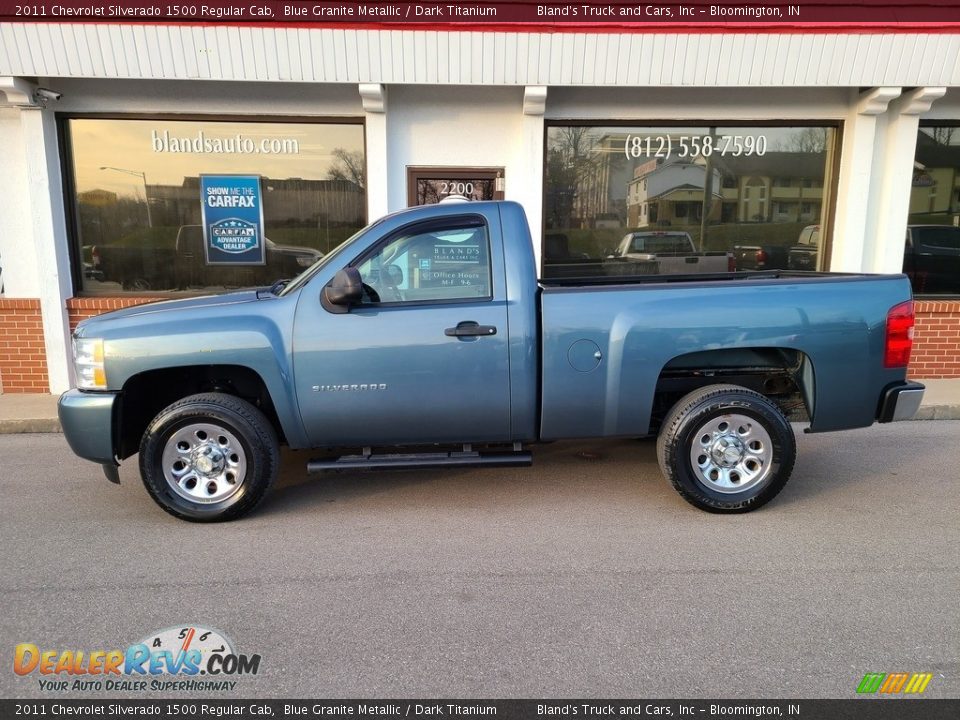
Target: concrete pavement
585	575
38	413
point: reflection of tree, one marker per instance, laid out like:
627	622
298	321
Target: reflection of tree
943	135
805	140
574	174
348	165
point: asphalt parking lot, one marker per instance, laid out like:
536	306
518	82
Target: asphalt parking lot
585	575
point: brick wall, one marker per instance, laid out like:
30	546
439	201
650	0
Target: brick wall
23	364
81	308
936	347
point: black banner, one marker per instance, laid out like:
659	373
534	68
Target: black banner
852	709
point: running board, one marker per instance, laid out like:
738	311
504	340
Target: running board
412	461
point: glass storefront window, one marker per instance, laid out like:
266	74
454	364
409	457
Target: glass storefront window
137	201
932	248
695	199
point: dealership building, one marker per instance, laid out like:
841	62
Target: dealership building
829	150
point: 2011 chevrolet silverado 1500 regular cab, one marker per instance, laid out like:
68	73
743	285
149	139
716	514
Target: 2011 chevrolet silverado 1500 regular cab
426	340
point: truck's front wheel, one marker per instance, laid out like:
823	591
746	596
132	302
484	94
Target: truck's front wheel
209	457
726	449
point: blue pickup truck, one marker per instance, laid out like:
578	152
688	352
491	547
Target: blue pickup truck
426	340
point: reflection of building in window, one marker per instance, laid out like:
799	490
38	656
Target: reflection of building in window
779	187
935	191
666	193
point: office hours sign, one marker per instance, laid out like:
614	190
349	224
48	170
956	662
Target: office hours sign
232	220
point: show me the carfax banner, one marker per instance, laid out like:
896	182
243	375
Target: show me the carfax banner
931	15
232	210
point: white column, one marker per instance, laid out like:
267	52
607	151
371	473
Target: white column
858	182
899	149
374	98
528	189
49	238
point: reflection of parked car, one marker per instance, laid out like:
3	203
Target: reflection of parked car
283	261
184	266
932	258
760	257
803	255
671	253
91	273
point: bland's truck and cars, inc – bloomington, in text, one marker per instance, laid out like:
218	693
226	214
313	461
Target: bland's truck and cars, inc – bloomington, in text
426	340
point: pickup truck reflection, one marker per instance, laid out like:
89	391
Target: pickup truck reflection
184	267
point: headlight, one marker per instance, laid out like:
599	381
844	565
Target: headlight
305	260
88	363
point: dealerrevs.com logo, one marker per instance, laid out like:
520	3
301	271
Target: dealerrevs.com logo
894	683
185	658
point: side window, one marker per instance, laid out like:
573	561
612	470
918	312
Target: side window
426	264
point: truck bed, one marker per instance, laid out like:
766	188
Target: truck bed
639	327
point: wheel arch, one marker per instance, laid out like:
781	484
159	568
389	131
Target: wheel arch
146	393
783	374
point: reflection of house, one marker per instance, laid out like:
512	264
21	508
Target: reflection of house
290	201
97	197
670	193
936	180
775	187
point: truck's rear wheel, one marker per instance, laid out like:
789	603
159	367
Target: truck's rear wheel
726	449
209	457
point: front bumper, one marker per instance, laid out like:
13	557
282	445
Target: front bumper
89	422
900	402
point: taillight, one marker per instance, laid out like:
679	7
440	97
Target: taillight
731	263
761	257
899	335
95	256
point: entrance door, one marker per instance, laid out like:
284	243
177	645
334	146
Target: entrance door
426	186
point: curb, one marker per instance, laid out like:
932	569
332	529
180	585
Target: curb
29	425
938	412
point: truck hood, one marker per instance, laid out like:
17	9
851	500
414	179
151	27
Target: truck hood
90	326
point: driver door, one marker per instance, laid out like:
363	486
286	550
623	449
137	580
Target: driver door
424	357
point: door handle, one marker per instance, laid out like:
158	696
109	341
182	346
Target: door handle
468	328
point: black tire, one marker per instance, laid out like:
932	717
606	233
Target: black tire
241	422
690	422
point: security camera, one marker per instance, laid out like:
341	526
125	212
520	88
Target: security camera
47	94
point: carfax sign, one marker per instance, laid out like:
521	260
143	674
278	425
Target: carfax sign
232	219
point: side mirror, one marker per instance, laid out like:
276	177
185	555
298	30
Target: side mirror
344	290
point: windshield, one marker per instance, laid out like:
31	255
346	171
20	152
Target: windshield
304	277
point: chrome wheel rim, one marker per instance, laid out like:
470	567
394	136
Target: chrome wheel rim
731	454
204	463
